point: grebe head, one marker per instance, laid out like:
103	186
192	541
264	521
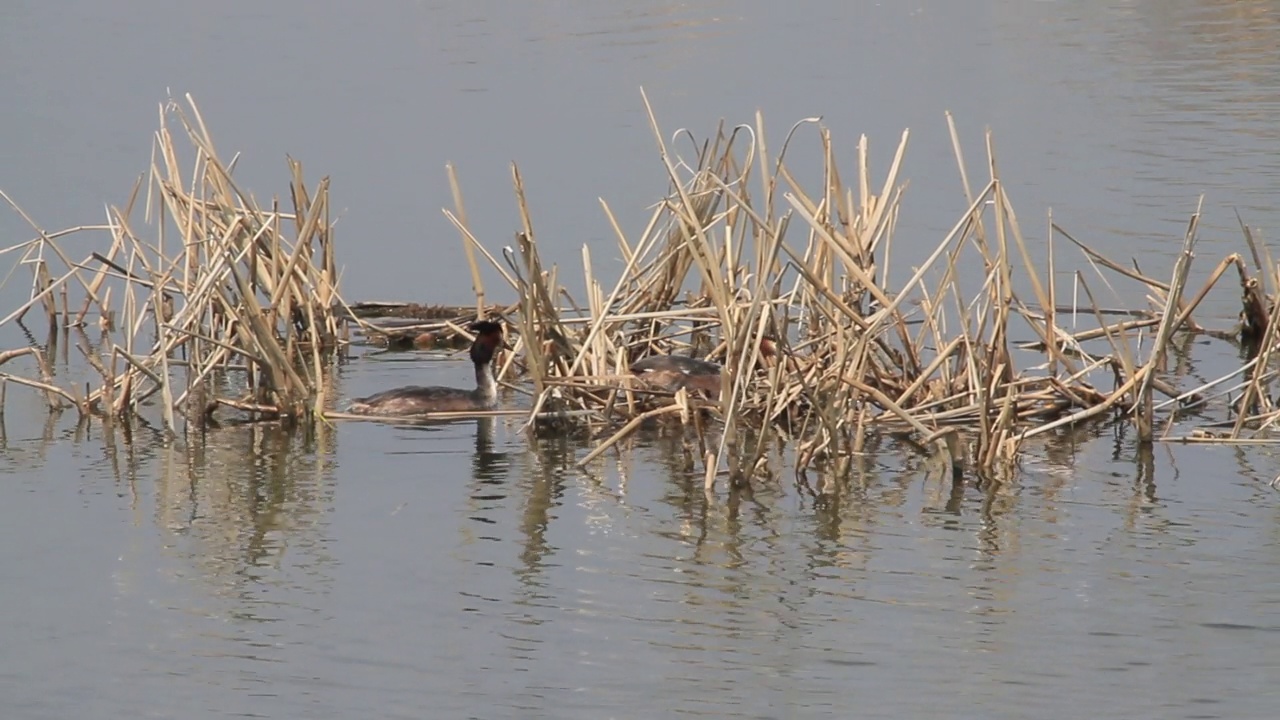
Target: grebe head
769	350
488	340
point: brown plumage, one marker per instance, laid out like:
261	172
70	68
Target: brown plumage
673	372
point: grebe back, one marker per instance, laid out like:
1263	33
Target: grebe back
672	372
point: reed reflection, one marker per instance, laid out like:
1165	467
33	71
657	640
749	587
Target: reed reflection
1238	38
543	489
233	501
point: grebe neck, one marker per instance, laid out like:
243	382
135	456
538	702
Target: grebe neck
486	385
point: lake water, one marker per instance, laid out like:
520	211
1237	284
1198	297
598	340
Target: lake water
468	570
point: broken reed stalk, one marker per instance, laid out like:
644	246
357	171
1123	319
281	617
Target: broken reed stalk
1145	405
231	291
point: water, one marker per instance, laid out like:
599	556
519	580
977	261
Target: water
468	571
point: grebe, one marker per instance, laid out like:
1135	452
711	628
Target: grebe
418	400
672	372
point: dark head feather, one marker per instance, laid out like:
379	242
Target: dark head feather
488	340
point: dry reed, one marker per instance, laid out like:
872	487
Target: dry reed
739	256
211	301
720	266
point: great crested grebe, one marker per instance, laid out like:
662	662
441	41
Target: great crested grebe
672	372
419	400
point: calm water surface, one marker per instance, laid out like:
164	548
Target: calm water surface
470	571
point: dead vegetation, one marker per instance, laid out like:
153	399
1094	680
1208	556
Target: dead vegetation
211	300
222	302
742	250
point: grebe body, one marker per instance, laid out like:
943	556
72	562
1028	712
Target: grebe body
672	372
421	400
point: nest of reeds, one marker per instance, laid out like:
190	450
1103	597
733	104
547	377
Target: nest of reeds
413	326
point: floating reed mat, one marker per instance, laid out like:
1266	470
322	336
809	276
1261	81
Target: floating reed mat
210	300
791	286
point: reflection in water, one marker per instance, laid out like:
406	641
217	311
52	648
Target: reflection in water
243	511
26	455
1234	39
488	464
250	491
560	593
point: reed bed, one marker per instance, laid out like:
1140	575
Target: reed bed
212	300
827	339
741	251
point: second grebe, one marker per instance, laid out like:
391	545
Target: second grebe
672	372
419	400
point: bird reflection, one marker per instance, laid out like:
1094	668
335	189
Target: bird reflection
487	464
